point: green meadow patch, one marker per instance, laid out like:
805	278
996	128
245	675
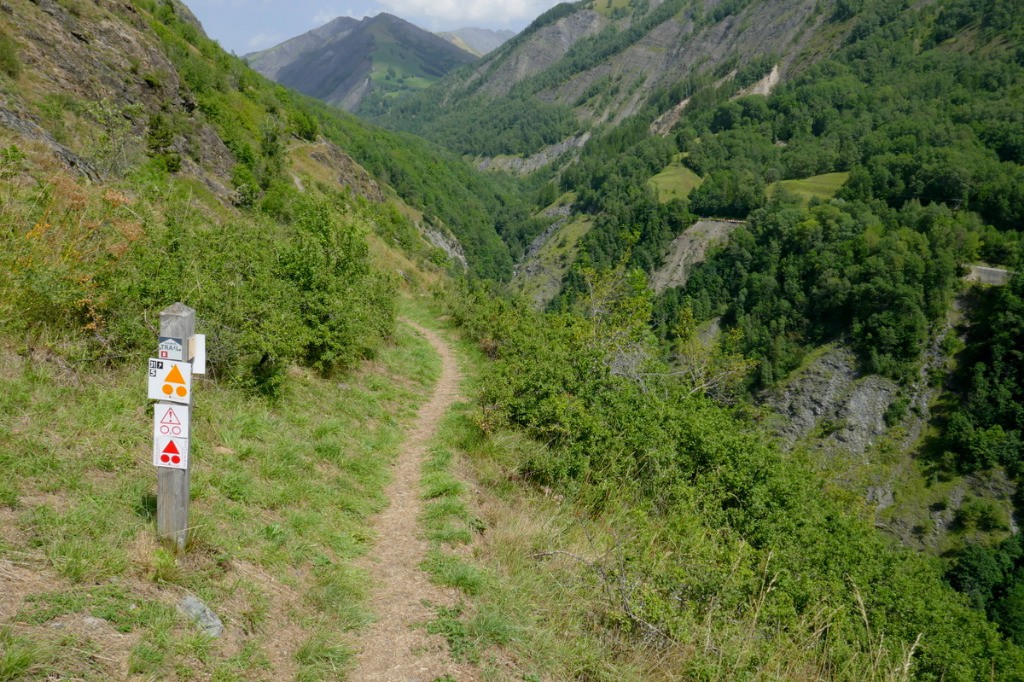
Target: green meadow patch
675	182
822	187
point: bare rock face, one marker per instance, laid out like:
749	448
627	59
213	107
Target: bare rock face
31	131
881	496
104	57
832	398
515	164
540	51
664	55
689	249
447	243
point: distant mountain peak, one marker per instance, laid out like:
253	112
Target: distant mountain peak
347	60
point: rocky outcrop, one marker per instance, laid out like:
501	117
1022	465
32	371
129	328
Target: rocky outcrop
689	249
104	58
347	172
538	52
830	399
765	86
447	243
31	131
515	164
664	124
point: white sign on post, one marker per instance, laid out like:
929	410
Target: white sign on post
170	349
169	380
170	420
170	452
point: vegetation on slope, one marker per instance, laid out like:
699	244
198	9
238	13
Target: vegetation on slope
253	117
720	533
889	113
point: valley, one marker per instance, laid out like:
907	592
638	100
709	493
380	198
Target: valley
659	340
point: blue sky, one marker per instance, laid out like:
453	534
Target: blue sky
242	26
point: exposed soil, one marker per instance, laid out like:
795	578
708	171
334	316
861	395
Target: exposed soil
395	648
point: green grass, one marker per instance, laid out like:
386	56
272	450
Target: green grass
20	657
675	182
822	187
282	496
519	617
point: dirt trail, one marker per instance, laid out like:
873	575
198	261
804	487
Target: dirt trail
393	650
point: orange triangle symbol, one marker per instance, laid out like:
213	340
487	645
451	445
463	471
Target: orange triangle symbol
171	449
174	376
170	418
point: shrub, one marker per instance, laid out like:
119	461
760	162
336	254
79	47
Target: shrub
9	62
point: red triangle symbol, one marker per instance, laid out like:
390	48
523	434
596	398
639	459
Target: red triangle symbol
171	448
170	418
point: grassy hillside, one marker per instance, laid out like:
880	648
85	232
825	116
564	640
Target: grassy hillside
282	493
675	182
822	187
678	522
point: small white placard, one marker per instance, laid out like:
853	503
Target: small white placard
198	358
170	348
170	452
170	421
169	380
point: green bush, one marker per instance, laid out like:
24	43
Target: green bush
712	507
9	62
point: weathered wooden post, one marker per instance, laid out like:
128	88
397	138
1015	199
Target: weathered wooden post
170	382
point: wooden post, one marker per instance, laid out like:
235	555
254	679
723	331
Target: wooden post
178	321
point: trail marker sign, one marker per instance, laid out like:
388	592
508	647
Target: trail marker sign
170	383
170	452
170	421
170	380
171	348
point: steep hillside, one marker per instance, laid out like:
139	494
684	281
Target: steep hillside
478	41
595	63
872	154
346	61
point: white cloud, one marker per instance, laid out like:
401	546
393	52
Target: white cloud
471	11
323	16
262	40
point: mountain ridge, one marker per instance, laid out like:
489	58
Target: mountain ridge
346	61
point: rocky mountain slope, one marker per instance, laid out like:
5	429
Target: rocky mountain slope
346	61
603	61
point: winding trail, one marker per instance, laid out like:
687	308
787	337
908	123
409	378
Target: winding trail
393	649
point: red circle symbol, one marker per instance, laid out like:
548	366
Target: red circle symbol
176	459
165	459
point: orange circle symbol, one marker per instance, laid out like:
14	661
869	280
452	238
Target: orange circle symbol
168	389
181	391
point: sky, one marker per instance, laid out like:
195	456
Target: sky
243	26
